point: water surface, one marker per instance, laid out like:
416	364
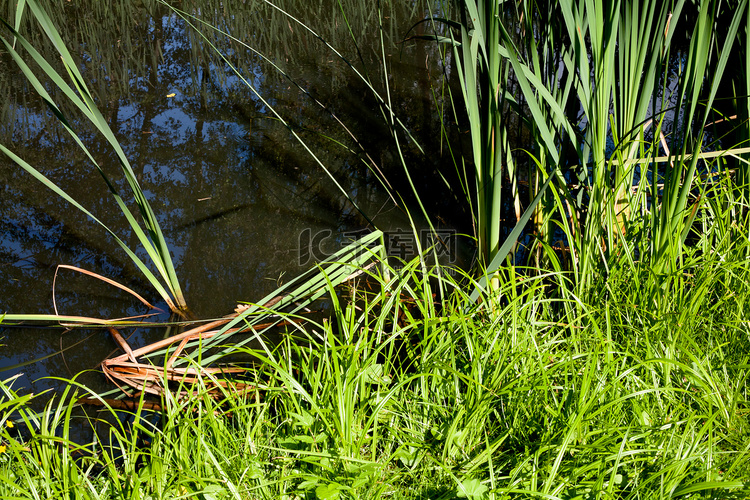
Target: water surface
238	198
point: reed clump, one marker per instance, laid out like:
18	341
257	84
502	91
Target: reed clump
615	367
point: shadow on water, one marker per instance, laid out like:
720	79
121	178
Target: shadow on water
239	200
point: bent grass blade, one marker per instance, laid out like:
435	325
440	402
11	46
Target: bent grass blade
99	277
296	296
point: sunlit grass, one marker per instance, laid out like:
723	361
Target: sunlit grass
399	395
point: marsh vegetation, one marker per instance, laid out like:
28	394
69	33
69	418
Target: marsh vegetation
597	346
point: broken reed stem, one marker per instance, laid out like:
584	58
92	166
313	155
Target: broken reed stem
152	379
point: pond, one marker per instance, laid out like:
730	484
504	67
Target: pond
243	205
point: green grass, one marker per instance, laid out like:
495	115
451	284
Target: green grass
396	395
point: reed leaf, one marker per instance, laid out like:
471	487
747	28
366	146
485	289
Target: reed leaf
674	217
151	238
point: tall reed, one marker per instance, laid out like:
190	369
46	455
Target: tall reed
594	101
76	91
483	73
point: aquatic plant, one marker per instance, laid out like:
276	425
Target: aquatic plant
76	91
601	92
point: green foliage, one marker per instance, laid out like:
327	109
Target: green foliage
621	374
402	394
593	87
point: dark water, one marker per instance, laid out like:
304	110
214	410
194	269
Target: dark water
238	198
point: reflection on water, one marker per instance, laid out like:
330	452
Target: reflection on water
232	189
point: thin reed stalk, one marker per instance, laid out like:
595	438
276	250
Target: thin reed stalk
594	104
75	90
